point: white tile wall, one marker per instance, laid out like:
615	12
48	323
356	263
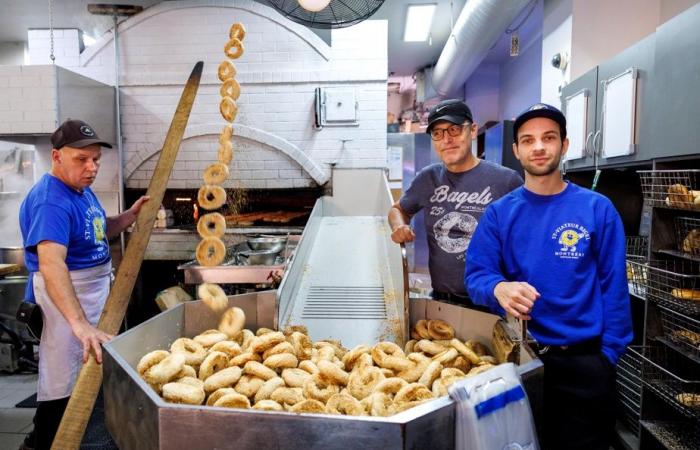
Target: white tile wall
282	65
27	99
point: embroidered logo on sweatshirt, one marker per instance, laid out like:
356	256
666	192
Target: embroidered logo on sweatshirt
572	239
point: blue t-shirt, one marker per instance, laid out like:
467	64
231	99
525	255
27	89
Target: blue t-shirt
52	211
571	248
452	204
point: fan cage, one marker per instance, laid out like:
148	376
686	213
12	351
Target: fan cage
338	13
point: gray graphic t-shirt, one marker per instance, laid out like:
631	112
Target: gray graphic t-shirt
452	205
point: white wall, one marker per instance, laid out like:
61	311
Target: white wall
282	65
556	38
12	53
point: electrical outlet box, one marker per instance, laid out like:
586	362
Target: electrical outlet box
336	106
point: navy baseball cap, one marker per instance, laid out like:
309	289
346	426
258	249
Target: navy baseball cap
76	134
540	110
452	110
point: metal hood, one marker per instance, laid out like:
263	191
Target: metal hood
479	26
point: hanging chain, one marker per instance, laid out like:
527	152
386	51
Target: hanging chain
51	55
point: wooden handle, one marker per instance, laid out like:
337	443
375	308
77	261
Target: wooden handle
70	432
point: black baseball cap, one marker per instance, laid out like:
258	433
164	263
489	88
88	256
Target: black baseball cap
540	110
77	134
452	110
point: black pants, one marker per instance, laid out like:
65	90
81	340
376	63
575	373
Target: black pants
579	401
48	417
455	299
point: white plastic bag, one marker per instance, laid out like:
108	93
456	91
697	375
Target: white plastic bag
493	412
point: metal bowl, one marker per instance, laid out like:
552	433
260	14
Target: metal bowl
272	243
257	257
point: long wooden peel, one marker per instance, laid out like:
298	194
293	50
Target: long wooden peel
81	402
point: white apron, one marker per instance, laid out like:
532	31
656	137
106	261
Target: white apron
60	352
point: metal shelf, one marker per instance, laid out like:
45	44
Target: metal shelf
673	435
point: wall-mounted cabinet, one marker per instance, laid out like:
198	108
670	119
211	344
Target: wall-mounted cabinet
608	109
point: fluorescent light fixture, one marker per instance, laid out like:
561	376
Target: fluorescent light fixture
418	21
314	5
88	40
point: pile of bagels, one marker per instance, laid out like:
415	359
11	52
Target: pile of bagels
679	196
211	226
268	370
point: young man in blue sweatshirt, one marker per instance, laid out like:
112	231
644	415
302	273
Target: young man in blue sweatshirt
553	253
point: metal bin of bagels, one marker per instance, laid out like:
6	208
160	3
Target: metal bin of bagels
138	418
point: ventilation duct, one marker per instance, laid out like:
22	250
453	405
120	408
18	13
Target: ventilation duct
479	26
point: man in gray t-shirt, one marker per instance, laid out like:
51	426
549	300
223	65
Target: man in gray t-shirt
453	195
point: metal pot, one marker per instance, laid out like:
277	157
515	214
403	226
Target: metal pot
272	243
12	255
257	257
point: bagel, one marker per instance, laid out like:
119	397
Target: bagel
249	385
414	373
390	356
232	321
211	197
282	347
488	359
228	109
410	345
194	351
230	88
256	369
192	381
287	396
344	404
244	338
230	348
289	329
294	377
226	134
429	347
212	295
460	363
431	373
233	401
308	406
351	357
363	381
689	399
234	48
268	388
212	224
166	369
390	385
236	31
309	367
186	372
267	405
422	329
477	347
281	361
151	359
413	392
466	351
364	360
691	243
479	369
226	70
446	356
243	359
337	348
686	294
183	393
214	362
319	388
261	343
439	329
680	196
333	373
216	173
214	396
262	330
222	379
225	152
302	345
378	404
210	337
210	251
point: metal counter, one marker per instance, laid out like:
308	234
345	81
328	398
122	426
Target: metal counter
139	419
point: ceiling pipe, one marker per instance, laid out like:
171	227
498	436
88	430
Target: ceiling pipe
479	26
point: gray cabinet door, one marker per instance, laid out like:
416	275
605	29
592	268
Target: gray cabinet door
584	85
640	58
674	129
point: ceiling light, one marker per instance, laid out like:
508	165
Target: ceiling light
314	5
418	21
88	40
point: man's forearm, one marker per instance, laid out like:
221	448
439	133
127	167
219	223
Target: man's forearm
60	289
396	218
117	224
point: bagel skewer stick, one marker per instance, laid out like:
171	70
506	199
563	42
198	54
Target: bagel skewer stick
82	401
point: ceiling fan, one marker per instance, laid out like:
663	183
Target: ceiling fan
326	13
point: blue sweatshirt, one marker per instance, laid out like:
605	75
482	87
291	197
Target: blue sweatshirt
571	248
